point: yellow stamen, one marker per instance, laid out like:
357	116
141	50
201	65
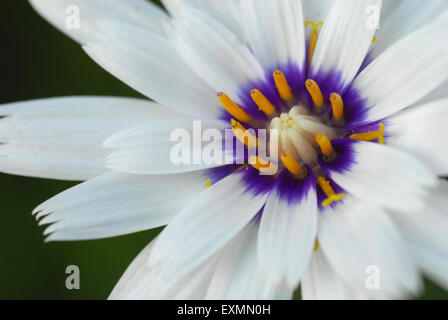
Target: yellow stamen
244	166
262	165
262	102
329	192
324	144
207	182
374	39
291	164
316	245
315	93
244	135
371	135
313	39
337	105
233	108
284	90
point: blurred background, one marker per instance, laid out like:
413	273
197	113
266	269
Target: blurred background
37	61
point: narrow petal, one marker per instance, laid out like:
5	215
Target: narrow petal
426	233
206	225
226	12
141	282
238	274
357	237
422	131
61	138
275	31
344	40
117	204
321	282
152	148
153	132
288	225
380	173
149	64
61	13
214	52
405	73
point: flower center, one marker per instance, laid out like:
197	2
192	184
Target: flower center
303	131
296	134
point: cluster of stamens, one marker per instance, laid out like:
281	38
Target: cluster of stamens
292	159
287	159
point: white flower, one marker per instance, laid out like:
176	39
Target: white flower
361	114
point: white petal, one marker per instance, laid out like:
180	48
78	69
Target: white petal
358	235
148	63
143	282
275	31
134	275
426	233
61	138
422	131
116	204
206	225
405	73
226	12
403	18
61	13
149	149
316	10
382	174
438	94
288	229
321	282
344	40
433	263
153	132
238	275
214	53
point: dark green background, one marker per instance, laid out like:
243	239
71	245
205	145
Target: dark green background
38	61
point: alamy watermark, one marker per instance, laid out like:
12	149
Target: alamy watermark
73	17
373	13
373	277
211	146
73	281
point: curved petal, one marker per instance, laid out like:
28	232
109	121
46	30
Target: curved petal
381	174
238	274
403	18
206	225
61	13
275	31
60	138
321	282
426	233
405	73
116	204
422	131
149	283
357	237
214	52
148	63
153	148
229	274
288	229
226	12
344	41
